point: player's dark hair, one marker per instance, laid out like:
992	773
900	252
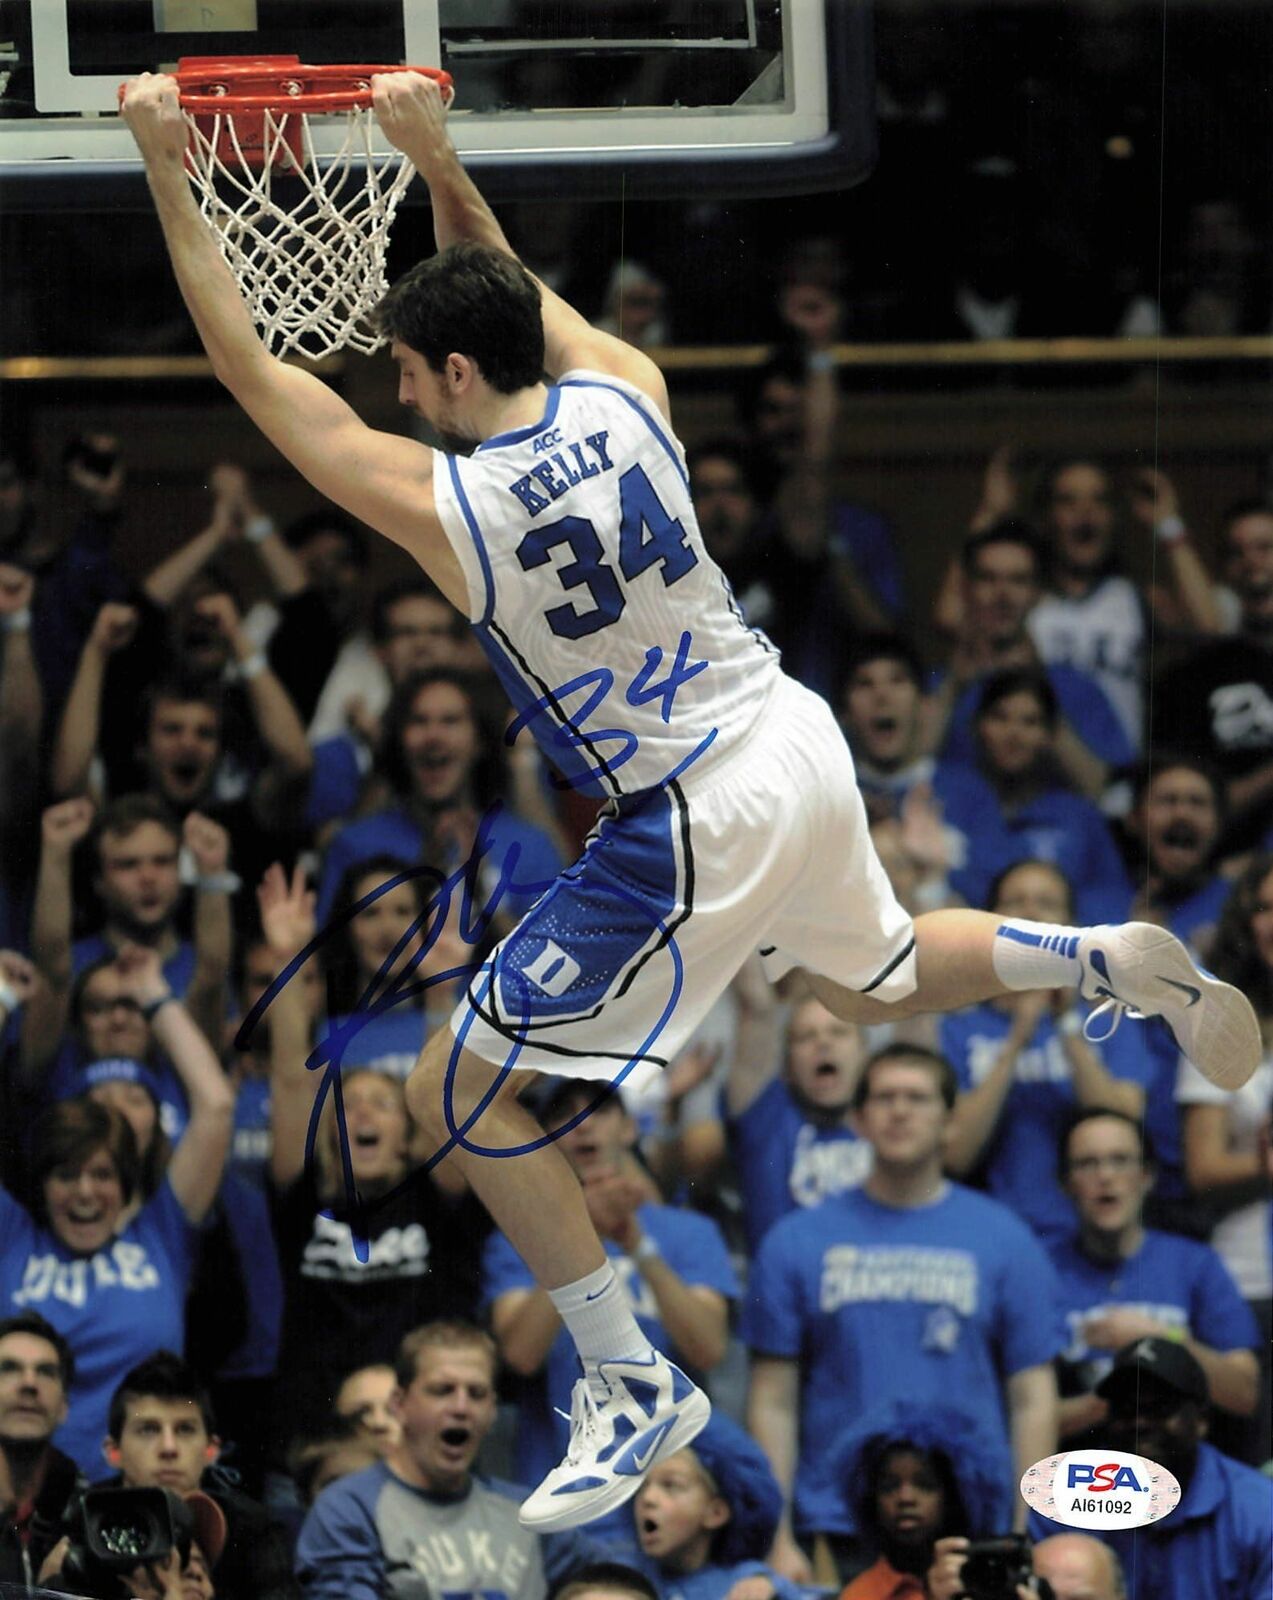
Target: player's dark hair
883	646
1093	1114
163	1376
475	301
385	598
916	1055
1001	877
1008	530
32	1323
1002	685
1235	956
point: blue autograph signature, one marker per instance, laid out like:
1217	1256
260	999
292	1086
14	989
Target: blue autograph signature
475	918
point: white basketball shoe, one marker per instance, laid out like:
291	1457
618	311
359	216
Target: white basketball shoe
1139	970
650	1411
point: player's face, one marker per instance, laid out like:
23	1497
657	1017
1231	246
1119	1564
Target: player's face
134	1104
364	1398
1014	733
724	506
1000	591
379	927
111	1020
1180	822
84	1203
32	1397
1249	561
824	1056
425	392
903	1116
421	635
1262	921
446	1413
677	1510
1081	516
378	1127
164	1444
909	1501
440	741
881	712
1036	892
1105	1175
183	746
137	876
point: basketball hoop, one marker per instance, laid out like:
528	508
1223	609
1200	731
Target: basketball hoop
304	236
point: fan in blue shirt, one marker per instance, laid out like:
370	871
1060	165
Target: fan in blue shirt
791	1132
443	768
1013	802
1121	1282
1024	1067
1218	1542
705	1518
908	1286
1001	582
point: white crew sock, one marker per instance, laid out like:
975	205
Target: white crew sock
599	1317
1036	955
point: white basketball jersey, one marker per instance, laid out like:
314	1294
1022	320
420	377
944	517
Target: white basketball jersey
614	633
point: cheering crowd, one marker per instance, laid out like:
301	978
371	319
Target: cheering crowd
909	1261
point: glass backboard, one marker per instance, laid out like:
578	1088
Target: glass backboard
726	96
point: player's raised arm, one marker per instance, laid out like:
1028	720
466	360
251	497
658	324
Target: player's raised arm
381	478
412	113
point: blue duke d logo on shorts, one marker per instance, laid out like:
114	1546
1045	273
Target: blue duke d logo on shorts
552	970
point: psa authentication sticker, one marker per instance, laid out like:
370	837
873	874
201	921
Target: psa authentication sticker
1099	1489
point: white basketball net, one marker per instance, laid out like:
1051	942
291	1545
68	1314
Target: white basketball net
307	246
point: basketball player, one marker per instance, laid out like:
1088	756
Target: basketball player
731	820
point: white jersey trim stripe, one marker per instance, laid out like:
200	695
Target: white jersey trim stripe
651	424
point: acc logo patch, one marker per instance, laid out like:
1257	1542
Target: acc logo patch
1099	1489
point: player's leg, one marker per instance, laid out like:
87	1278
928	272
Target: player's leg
963	957
633	1406
553	1235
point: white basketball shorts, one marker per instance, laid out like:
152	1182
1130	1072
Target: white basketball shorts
612	969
